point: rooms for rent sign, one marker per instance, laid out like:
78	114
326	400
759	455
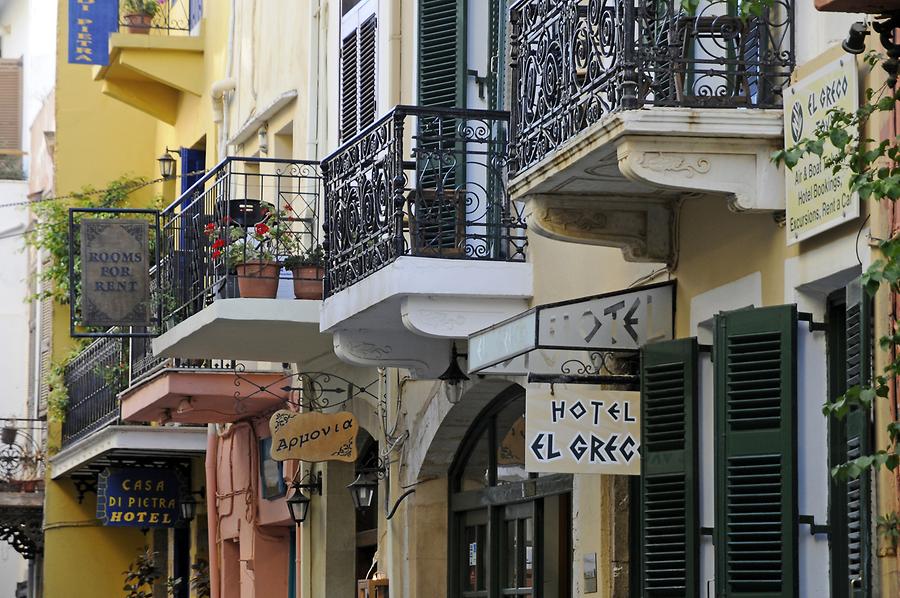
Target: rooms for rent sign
818	198
578	428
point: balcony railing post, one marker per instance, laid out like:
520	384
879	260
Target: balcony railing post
630	85
398	182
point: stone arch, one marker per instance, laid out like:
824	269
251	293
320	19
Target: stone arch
442	426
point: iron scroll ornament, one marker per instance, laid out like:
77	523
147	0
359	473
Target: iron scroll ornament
315	391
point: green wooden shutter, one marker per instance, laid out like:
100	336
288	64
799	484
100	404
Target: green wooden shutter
442	55
858	491
755	453
670	497
349	122
368	52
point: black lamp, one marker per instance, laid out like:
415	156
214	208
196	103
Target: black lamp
856	39
167	164
298	503
454	374
362	490
188	505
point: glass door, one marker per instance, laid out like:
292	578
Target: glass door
475	554
518	550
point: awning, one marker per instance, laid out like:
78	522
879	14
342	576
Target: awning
578	329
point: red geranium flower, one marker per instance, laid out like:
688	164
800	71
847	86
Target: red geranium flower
216	254
218	244
262	228
288	207
210	228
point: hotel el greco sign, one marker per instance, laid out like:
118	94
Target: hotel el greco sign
115	276
138	497
579	428
817	198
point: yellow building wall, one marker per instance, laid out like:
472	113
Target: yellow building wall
98	139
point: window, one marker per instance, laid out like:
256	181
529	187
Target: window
510	547
755	455
359	45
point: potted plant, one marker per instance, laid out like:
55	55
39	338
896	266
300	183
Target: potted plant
138	14
309	269
249	254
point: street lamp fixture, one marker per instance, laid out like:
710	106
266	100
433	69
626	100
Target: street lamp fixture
362	490
167	164
188	506
298	503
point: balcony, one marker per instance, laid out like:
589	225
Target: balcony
22	485
645	101
423	244
155	59
223	292
93	433
197	391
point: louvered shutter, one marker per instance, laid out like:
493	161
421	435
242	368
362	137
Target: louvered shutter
358	78
10	118
858	490
755	452
438	225
45	340
670	520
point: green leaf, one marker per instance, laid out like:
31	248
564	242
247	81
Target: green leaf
839	137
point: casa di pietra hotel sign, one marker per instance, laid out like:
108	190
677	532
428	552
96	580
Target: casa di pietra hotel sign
115	278
138	497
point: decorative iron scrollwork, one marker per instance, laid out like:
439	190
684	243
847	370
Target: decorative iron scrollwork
311	391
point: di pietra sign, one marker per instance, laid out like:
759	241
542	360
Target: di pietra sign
817	198
313	436
138	497
115	278
572	428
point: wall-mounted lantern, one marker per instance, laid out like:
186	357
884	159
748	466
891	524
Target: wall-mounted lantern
298	503
167	164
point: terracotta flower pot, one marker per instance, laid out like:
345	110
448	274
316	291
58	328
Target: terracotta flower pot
308	282
138	23
258	280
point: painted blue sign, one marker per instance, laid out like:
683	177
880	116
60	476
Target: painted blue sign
138	497
90	24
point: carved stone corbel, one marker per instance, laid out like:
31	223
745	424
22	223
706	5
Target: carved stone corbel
640	225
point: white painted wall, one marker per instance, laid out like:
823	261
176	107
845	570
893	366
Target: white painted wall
14	348
28	31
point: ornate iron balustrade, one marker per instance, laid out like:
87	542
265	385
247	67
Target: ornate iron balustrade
93	379
245	210
425	182
573	62
173	17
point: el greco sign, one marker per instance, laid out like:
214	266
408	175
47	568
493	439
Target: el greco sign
817	198
138	497
571	428
313	436
115	278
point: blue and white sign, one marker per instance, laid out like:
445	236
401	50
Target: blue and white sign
90	24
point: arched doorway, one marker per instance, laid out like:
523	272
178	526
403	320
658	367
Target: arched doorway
510	531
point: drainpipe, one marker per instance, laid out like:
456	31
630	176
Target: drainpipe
218	93
212	509
393	78
312	119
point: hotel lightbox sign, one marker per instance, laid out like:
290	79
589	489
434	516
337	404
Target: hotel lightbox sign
619	321
578	428
138	497
817	198
115	275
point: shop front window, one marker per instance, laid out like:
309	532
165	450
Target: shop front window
503	544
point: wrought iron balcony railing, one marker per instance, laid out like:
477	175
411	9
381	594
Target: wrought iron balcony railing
93	379
572	62
423	182
247	214
164	17
97	375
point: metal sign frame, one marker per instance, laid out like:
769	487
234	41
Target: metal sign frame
156	306
529	339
